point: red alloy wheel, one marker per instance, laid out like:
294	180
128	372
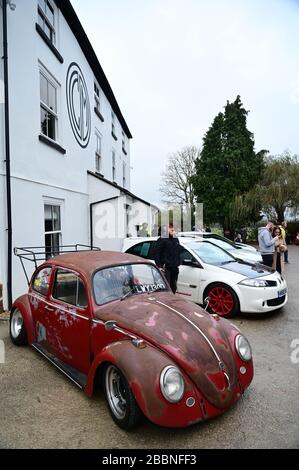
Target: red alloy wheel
222	301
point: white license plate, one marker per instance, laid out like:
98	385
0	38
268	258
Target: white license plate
282	292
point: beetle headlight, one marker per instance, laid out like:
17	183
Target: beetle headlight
172	384
254	283
243	348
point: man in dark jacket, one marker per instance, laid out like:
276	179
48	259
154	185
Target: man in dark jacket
167	256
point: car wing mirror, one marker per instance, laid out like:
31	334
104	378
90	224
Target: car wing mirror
192	263
110	325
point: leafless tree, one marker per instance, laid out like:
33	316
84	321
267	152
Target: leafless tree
176	183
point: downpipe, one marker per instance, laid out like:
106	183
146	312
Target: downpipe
7	156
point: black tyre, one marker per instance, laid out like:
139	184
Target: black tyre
223	300
17	329
121	402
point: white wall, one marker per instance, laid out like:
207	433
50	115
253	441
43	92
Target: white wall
110	222
39	171
3	233
2	164
140	213
28	226
3	238
31	158
99	190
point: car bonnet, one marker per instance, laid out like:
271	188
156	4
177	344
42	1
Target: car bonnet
248	270
198	342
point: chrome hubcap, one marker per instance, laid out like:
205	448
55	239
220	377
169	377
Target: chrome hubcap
16	323
116	392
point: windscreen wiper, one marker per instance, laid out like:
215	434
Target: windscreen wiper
128	294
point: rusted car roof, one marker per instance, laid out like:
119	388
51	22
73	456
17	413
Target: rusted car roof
87	262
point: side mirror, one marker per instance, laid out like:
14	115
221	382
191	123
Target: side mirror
191	263
110	325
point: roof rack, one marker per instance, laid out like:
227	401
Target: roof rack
37	254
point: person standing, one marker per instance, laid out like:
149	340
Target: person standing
143	231
280	247
166	254
267	243
284	230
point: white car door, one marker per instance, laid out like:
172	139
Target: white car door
189	279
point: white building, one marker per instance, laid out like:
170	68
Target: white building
69	142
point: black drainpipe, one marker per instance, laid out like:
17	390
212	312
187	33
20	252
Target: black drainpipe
7	158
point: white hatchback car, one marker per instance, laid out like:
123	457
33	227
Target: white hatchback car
208	271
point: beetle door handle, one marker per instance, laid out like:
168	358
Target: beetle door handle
49	309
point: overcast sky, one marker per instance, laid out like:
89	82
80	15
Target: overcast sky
173	64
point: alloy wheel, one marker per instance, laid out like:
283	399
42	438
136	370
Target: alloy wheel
221	301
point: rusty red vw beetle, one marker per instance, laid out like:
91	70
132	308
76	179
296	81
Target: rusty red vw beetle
110	318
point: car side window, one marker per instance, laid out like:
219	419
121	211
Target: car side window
135	250
69	288
141	249
186	255
151	251
145	249
41	281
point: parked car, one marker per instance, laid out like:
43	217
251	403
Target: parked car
209	271
296	240
238	250
110	318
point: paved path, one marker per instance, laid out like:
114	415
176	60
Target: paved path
40	408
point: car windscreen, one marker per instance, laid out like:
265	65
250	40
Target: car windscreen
119	282
211	254
221	243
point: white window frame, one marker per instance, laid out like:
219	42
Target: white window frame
124	175
113	123
43	13
124	142
49	77
98	154
113	166
97	97
57	203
